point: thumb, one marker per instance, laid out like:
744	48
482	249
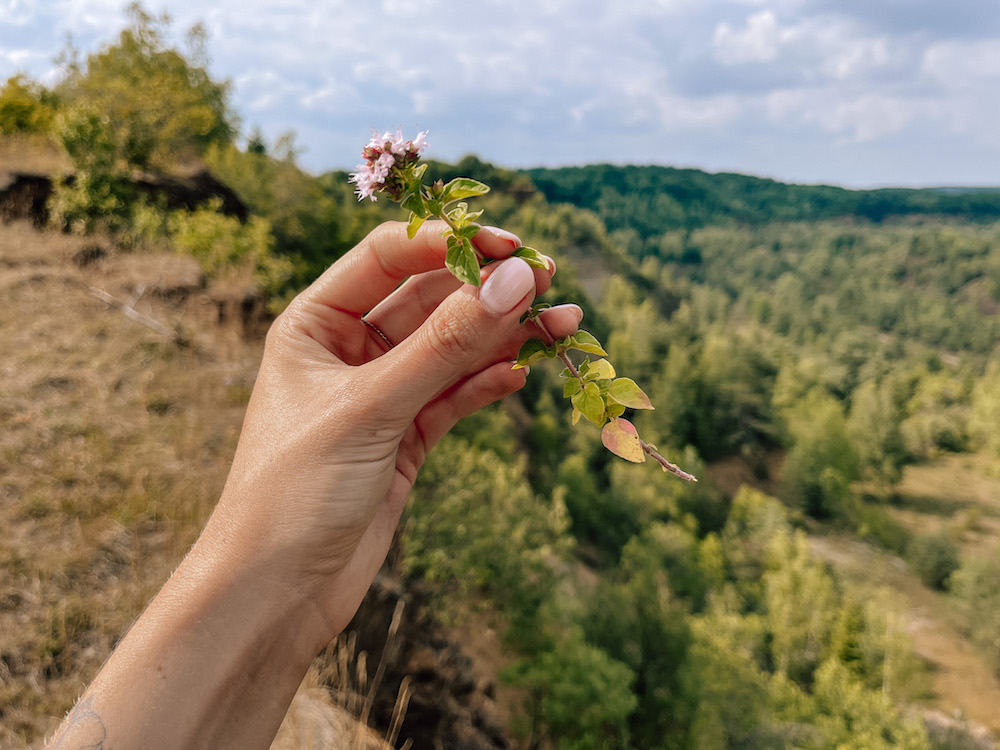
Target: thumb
468	331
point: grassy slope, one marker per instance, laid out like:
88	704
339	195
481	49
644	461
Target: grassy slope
114	444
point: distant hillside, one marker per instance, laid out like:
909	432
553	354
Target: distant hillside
651	200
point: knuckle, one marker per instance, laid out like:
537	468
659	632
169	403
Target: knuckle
452	337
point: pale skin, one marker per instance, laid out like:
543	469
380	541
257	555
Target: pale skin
337	427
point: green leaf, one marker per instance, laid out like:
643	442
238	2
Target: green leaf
463	218
585	342
463	187
533	258
414	225
627	393
531	351
571	387
462	261
534	310
600	369
614	409
620	437
590	404
414	203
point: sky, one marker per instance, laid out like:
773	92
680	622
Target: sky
859	93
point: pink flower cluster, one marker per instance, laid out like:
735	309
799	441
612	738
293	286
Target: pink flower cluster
385	158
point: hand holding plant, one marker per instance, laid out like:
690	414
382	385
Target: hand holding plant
392	168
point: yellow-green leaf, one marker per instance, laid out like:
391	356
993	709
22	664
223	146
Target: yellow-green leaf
532	257
571	387
531	350
600	370
627	393
461	260
585	342
590	404
414	225
463	187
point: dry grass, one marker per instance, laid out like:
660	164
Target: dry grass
960	493
333	708
115	441
114	444
32	153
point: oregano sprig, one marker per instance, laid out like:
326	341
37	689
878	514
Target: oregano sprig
391	167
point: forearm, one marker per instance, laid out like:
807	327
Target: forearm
212	663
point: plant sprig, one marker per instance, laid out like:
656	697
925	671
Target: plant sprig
592	386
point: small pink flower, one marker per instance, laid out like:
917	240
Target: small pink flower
385	158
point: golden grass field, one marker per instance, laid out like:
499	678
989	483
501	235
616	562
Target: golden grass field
115	441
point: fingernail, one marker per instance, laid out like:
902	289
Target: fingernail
575	309
503	234
552	264
506	286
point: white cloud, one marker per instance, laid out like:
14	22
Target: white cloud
964	64
759	41
740	77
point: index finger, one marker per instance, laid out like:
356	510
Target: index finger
386	257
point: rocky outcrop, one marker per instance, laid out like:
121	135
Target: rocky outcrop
25	195
190	191
448	706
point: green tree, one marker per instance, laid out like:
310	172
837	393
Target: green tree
874	428
934	557
984	412
99	193
579	698
25	107
850	716
976	584
822	461
635	617
163	107
475	527
801	604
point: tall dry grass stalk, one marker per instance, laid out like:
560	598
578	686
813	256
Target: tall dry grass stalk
333	708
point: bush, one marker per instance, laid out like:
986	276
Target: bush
934	558
99	195
25	107
977	585
579	696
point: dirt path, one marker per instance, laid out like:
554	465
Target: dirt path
960	681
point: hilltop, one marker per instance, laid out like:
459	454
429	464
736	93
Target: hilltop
650	200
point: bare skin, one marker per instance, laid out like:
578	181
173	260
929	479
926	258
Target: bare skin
338	426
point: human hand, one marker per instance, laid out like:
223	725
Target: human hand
339	423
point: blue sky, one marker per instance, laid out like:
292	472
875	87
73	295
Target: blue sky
850	92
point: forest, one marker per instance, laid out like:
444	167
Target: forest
819	342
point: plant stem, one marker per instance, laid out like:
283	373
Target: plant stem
648	449
550	340
667	466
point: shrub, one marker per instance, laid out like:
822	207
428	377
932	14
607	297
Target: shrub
219	243
25	107
934	558
99	193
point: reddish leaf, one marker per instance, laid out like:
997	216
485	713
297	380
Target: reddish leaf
621	438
